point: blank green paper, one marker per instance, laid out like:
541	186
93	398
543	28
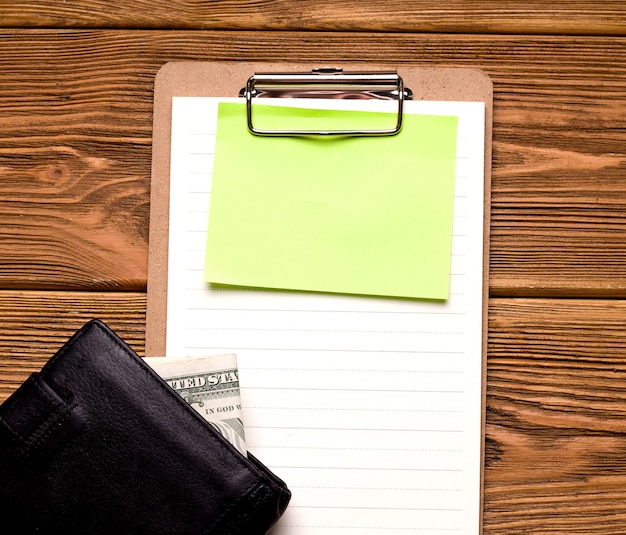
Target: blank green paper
353	215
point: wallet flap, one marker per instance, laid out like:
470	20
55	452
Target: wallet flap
37	418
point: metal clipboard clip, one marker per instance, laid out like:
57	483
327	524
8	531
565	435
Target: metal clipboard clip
327	83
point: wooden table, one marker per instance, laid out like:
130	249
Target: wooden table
76	88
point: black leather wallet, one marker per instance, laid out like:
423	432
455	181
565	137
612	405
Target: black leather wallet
97	443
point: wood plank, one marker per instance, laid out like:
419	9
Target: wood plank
75	149
582	17
556	406
34	325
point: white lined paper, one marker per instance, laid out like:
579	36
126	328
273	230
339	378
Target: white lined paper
369	408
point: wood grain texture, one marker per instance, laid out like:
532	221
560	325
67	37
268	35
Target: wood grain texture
582	17
34	325
556	406
75	145
556	417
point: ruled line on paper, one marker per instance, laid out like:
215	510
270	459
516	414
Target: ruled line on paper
241	348
412	450
350	311
447	509
360	429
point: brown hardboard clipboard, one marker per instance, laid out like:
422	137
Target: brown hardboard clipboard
226	79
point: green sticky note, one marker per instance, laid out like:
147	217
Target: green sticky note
352	215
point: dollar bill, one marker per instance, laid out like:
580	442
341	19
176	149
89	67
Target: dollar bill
211	386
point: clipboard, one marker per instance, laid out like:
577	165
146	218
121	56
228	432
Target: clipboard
226	79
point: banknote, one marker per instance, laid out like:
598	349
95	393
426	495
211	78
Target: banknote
210	384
